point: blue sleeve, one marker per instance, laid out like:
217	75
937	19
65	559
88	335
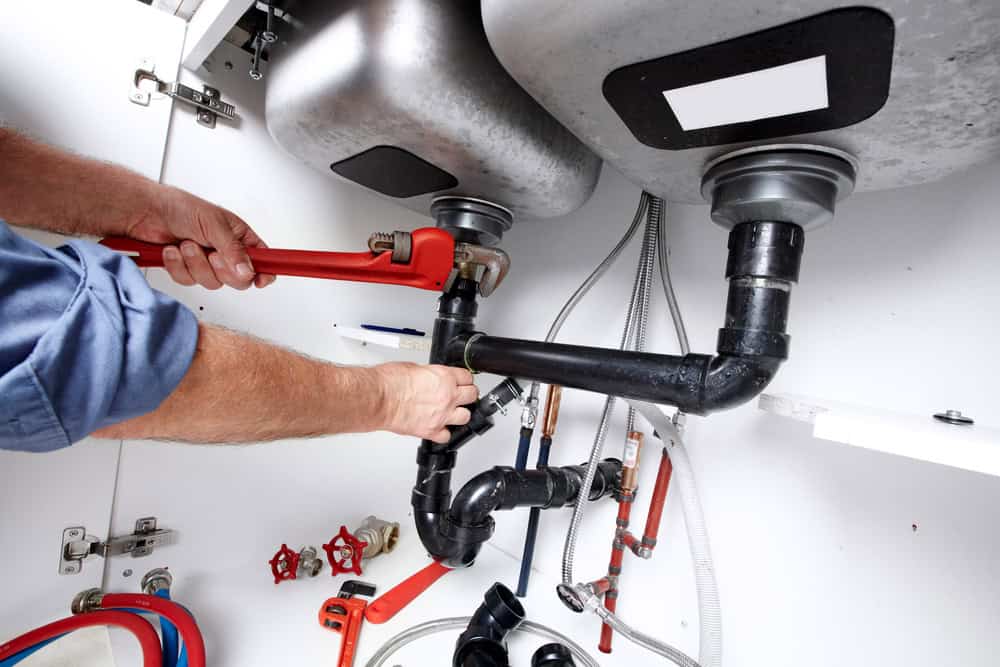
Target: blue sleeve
85	342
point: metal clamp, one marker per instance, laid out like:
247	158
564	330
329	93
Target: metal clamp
77	545
207	102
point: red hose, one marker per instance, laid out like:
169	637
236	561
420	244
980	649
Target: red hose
173	612
137	625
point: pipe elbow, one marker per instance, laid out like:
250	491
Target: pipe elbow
731	380
484	642
479	498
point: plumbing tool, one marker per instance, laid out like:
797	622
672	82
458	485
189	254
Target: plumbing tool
345	614
373	537
426	258
286	564
405	592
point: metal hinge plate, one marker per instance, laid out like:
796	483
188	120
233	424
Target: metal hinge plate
77	545
207	102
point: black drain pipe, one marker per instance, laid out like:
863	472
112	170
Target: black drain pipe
455	532
764	259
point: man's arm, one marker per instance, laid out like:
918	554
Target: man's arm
45	188
239	389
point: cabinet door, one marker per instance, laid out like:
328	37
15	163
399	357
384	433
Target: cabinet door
65	73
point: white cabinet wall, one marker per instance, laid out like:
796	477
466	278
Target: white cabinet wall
65	72
825	555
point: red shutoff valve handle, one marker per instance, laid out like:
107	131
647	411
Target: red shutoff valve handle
345	552
284	565
432	256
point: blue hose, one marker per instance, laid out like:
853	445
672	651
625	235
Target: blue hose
523	448
169	634
18	657
529	539
171	656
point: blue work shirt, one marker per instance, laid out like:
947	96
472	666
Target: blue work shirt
85	342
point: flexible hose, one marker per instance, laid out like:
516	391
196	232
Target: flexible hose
598	272
18	657
169	633
572	535
190	635
149	642
647	260
445	624
709	608
668	287
593	603
592	279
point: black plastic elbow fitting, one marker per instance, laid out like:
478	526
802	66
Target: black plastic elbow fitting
455	535
763	263
552	655
483	644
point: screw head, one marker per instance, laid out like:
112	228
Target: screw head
954	417
269	37
127	573
228	65
256	74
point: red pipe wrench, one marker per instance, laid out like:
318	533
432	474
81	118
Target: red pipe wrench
425	264
424	258
345	614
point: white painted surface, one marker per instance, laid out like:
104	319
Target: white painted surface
89	647
817	557
208	26
970	447
766	93
60	84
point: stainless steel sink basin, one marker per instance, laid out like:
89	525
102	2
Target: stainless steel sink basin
406	98
910	87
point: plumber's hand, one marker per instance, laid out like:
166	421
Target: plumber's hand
188	224
424	400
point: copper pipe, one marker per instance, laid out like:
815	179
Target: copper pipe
614	571
657	501
551	416
629	483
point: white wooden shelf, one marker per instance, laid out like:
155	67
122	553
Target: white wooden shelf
385	339
970	447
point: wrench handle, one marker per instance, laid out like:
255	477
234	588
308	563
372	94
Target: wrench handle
390	604
433	256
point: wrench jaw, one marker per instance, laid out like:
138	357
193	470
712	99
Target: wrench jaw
469	258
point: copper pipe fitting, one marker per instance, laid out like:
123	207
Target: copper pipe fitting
552	399
630	462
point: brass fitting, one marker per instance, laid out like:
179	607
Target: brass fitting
381	536
630	462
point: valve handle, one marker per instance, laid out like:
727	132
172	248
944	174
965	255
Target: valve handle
405	592
344	552
284	565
